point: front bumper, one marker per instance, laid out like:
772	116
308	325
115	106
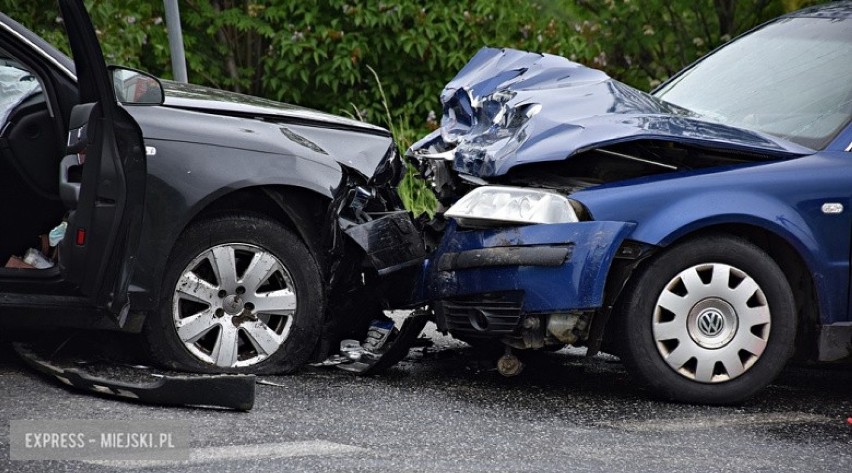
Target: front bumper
483	281
393	247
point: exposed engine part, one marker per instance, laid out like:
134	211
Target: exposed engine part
539	331
532	334
447	185
620	162
509	365
567	328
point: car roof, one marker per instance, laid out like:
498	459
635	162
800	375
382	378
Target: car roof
838	10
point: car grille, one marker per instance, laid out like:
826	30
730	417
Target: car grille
481	314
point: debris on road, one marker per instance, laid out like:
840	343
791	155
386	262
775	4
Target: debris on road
266	382
228	391
385	346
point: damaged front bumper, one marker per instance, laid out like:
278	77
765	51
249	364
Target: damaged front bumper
483	283
379	241
371	257
390	240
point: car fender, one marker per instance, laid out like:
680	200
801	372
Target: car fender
172	206
185	177
684	216
670	208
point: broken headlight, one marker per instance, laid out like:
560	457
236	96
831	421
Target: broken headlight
490	206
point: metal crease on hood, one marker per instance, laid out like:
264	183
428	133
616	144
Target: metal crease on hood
508	107
211	100
264	126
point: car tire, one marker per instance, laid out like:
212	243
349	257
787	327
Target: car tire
241	294
710	321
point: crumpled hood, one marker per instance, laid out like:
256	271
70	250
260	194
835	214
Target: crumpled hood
196	97
194	114
509	107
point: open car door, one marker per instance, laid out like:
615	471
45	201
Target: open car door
98	252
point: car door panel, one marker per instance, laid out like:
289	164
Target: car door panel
30	145
98	252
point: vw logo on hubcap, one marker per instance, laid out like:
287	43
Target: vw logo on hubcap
711	323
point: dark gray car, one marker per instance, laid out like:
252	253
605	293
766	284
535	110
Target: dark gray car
238	234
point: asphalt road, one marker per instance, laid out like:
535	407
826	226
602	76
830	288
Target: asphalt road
446	409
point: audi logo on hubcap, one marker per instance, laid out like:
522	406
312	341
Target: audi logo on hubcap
711	323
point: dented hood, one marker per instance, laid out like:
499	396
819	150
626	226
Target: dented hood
266	126
509	107
206	99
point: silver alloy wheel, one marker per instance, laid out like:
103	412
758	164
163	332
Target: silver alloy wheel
711	322
233	305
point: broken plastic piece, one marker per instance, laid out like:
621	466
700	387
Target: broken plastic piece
351	350
229	391
266	382
392	241
333	360
394	346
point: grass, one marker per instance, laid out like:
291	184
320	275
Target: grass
413	190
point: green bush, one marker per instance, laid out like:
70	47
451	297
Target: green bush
329	54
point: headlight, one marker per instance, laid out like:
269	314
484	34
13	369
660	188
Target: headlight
489	205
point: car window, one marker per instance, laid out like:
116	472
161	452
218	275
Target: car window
16	85
790	79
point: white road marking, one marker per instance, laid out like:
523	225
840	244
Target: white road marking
718	421
268	451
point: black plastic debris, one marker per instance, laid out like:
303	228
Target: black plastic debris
391	241
228	391
375	356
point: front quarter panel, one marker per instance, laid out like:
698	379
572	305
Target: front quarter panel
784	198
187	174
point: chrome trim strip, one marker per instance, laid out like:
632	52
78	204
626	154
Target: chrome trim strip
849	148
40	51
634	158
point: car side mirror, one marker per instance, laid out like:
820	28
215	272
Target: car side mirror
136	87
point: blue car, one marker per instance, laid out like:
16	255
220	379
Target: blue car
700	232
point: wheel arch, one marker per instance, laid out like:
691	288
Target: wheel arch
296	208
790	260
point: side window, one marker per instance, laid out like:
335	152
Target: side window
16	85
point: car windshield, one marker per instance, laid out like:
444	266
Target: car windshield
791	79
